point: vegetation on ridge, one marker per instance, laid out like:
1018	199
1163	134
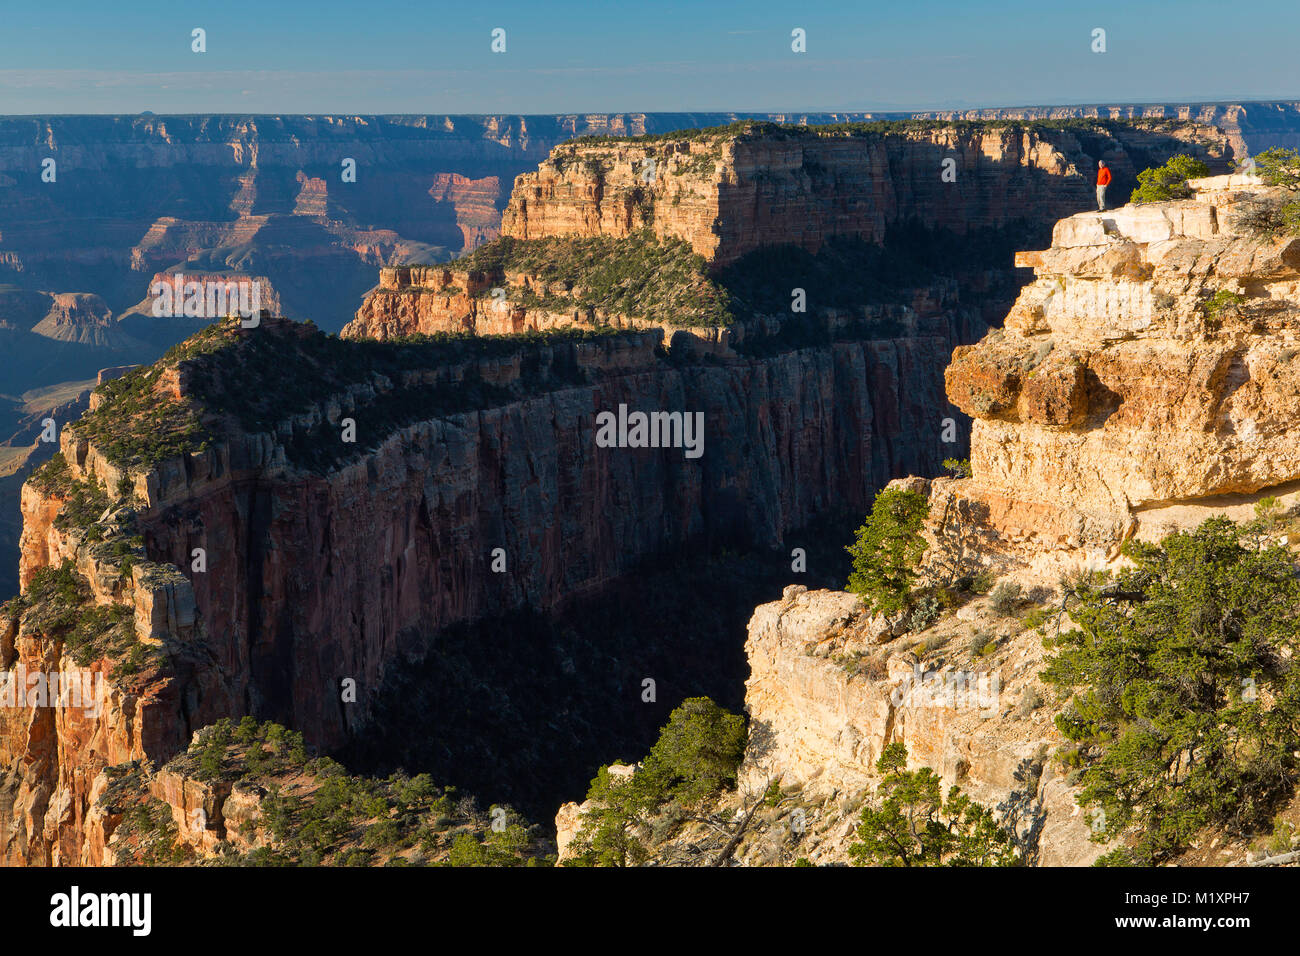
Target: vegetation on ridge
1182	679
665	282
262	378
1169	181
311	812
57	605
911	824
640	276
696	757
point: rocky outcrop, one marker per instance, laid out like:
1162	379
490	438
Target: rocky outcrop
1142	383
820	719
70	710
420	300
1148	367
427	300
734	191
828	690
83	319
180	290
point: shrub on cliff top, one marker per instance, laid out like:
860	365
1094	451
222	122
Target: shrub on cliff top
888	549
1222	304
911	824
315	812
53	477
696	757
1006	598
1275	217
1169	181
1185	689
1278	167
958	467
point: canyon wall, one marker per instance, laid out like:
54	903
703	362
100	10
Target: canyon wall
313	577
264	197
325	560
261	197
731	193
1251	127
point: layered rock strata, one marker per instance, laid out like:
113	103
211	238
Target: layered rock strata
327	562
1143	382
730	192
1147	368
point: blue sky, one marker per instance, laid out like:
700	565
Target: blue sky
378	56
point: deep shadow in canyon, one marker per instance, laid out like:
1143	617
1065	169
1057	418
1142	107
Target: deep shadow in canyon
524	708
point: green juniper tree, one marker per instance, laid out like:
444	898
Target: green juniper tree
1184	689
913	825
888	549
1279	167
1169	181
696	757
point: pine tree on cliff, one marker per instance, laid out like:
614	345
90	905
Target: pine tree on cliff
913	825
1163	183
888	550
1185	691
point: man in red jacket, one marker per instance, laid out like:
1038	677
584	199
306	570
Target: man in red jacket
1103	180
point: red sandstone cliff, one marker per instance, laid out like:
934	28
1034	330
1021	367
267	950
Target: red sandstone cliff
316	576
729	192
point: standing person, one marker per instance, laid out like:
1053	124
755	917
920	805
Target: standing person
1103	180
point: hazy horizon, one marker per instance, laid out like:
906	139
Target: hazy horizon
78	58
884	113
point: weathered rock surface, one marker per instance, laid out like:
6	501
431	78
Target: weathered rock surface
731	193
1148	364
820	727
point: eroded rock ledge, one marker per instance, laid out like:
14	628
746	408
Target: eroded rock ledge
1145	380
1151	364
